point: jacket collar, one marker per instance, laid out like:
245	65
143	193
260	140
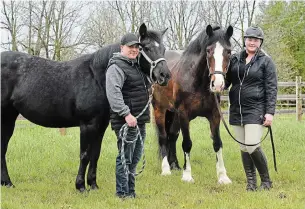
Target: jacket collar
244	54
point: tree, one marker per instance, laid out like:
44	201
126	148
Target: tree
66	18
284	27
246	12
132	13
181	18
11	23
103	26
223	14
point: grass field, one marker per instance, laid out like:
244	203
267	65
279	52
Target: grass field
43	166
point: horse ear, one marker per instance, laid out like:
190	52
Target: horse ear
143	30
229	31
209	30
164	31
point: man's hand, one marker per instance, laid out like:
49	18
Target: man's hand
131	120
268	120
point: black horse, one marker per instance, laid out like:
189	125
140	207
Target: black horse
68	94
196	75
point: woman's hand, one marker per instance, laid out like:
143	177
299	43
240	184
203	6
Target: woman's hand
268	120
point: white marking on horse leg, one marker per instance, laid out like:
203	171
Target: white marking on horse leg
221	170
165	167
187	172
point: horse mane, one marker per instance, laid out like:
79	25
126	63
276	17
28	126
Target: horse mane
100	58
198	48
202	41
155	35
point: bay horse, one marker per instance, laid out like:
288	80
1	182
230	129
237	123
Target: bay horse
69	94
197	74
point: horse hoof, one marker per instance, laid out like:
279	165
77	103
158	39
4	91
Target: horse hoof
94	187
82	190
188	180
224	180
175	166
8	184
166	173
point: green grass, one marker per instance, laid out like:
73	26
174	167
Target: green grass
43	166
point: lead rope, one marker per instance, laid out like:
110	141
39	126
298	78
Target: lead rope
123	133
269	131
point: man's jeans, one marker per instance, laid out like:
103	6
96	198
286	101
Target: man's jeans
125	185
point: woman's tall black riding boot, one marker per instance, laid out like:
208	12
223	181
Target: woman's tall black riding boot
260	162
250	171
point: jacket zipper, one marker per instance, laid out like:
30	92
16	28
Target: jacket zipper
241	116
241	82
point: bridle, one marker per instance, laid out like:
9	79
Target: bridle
153	64
216	72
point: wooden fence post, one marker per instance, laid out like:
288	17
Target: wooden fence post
298	98
63	131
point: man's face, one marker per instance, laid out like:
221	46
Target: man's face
130	51
252	44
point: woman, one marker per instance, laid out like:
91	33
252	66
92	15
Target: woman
253	94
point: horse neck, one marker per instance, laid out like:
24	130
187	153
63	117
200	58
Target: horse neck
201	73
101	57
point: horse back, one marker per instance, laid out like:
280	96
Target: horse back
179	93
50	93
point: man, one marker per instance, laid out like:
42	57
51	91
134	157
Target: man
127	93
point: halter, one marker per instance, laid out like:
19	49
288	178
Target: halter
153	64
217	72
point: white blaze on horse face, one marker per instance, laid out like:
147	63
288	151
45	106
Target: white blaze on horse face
221	170
165	167
187	172
219	79
157	44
